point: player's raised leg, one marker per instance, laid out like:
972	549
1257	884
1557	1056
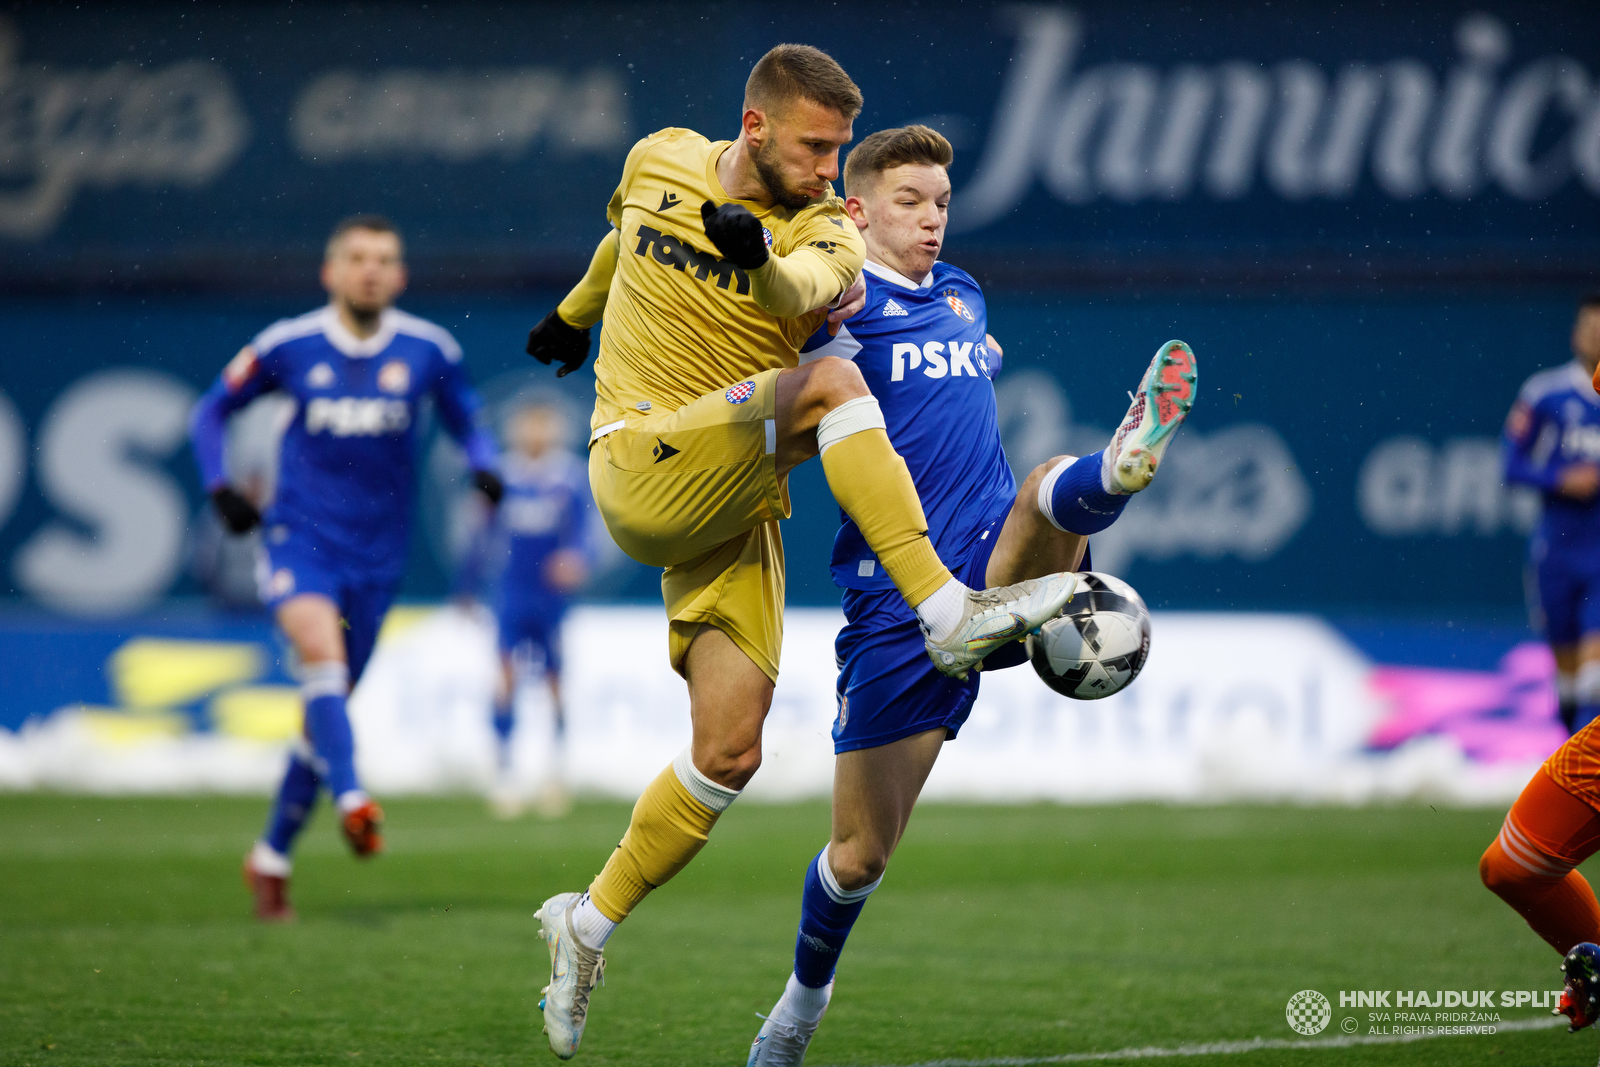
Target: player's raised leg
1067	498
874	791
824	407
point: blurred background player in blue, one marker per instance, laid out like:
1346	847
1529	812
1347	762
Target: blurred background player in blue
338	529
1552	443
922	345
534	552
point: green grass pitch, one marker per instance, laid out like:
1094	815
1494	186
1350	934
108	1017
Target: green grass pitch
999	932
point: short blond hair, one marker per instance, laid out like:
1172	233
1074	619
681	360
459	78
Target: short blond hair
791	72
897	147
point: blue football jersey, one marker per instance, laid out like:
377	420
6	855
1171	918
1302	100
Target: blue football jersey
921	348
1555	423
546	508
347	464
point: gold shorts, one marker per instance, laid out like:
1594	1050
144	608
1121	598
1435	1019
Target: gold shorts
697	491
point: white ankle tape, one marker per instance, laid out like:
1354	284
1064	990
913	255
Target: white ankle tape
327	679
830	884
1047	490
714	796
851	417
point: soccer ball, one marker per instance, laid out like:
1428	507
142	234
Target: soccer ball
1098	643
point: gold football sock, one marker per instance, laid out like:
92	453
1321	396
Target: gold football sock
871	483
671	823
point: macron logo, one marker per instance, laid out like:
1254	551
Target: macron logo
891	308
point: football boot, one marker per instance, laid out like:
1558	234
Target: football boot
575	969
1166	393
270	890
1580	997
783	1037
992	617
363	828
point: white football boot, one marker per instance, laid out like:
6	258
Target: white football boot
1165	396
991	617
784	1036
575	969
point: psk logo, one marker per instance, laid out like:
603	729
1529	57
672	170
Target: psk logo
320	376
766	235
958	306
394	377
738	394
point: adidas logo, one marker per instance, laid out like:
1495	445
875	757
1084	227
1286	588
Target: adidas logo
891	308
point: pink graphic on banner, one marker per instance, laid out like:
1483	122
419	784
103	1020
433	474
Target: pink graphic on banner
1496	716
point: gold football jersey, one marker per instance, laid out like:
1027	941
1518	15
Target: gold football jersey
679	319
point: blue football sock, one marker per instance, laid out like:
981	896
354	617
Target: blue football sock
1074	499
504	720
1586	714
323	687
827	913
297	797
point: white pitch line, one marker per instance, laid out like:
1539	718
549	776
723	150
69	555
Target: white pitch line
1229	1048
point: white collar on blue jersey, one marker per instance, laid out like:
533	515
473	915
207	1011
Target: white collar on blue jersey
351	345
878	270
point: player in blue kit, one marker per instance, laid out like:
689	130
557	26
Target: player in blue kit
922	344
537	551
336	536
1552	443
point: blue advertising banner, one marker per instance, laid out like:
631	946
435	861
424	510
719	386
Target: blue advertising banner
1342	455
213	145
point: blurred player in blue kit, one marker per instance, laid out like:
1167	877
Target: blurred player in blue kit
536	551
921	343
1552	443
337	534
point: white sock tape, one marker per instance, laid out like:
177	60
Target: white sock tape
330	678
830	884
1047	490
714	796
851	417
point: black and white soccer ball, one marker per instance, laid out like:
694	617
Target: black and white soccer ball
1099	642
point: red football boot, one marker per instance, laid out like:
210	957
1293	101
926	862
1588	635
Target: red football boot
363	828
271	892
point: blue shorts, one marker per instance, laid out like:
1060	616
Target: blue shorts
291	564
888	688
1566	601
527	634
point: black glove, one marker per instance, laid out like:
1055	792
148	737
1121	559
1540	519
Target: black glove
736	233
489	484
554	340
238	514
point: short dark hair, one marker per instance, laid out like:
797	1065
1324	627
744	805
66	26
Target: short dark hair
892	148
798	71
371	223
1590	299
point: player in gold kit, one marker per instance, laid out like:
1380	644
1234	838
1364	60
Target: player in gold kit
722	261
